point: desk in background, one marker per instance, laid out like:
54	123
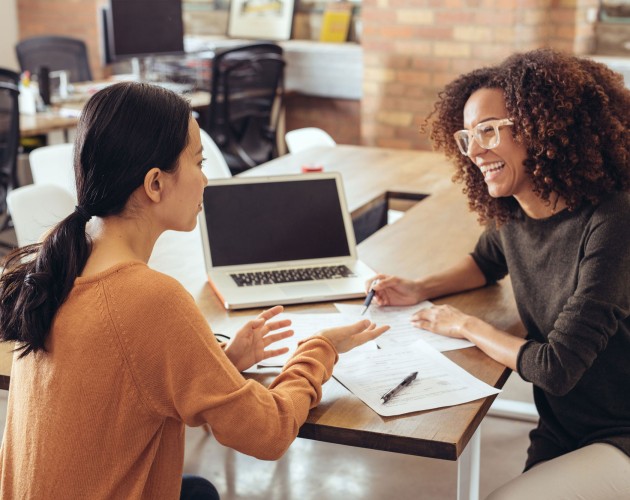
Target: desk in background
434	233
64	116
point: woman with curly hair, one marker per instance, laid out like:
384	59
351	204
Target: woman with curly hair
544	157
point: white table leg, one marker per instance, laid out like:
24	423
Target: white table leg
468	469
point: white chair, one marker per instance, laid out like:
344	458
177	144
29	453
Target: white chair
54	165
305	138
214	166
36	208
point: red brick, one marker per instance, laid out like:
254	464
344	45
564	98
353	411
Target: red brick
454	17
433	32
397	32
413	77
494	17
378	16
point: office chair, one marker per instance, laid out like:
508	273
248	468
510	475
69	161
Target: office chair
37	208
305	138
9	141
55	53
247	87
54	165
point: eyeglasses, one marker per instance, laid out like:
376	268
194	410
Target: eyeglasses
486	134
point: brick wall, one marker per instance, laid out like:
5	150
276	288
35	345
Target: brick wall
412	48
75	18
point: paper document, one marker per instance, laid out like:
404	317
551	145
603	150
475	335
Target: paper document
440	382
304	326
402	332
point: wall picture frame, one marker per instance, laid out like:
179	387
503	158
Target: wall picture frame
261	19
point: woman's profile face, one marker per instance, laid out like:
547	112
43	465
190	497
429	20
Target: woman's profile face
185	195
502	167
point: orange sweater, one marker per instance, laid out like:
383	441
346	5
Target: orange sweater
131	360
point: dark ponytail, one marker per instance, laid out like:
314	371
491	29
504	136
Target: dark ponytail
37	280
124	131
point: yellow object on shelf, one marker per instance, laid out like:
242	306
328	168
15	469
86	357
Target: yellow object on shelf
336	22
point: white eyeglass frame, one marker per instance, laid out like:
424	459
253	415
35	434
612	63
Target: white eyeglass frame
475	134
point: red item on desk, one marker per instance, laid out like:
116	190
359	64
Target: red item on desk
312	168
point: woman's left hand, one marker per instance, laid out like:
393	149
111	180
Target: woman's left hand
445	320
249	345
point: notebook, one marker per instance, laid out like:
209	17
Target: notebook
280	240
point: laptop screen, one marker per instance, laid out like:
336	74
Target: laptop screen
269	221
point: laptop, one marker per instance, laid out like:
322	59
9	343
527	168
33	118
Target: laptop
283	239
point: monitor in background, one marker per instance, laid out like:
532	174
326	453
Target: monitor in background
106	57
142	28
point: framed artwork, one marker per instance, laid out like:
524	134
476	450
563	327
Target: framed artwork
261	19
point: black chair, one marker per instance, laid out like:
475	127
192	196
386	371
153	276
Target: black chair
55	53
9	141
247	89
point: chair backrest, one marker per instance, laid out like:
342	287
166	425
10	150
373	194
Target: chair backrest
305	138
54	165
35	209
214	165
9	133
247	87
55	53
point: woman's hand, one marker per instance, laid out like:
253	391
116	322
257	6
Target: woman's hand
345	338
451	322
445	320
249	345
394	291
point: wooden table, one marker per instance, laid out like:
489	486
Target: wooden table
61	116
434	233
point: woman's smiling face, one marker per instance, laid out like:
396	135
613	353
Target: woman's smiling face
502	167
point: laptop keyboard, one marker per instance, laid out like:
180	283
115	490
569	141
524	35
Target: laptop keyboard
292	275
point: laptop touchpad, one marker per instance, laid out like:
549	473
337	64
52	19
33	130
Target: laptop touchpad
310	289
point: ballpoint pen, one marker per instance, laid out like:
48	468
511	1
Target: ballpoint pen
406	382
369	297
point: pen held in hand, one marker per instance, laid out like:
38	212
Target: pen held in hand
370	296
405	383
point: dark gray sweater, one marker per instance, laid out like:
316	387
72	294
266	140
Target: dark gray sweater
571	279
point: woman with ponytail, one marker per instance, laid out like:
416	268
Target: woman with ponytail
112	359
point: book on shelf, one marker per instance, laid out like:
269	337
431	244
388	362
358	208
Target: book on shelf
336	22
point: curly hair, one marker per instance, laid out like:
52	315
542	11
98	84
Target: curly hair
570	113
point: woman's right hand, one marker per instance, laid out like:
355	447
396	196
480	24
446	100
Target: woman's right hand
345	338
394	291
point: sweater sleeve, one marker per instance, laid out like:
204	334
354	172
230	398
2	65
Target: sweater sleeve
489	257
181	372
590	317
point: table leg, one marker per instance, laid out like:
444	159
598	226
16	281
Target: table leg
468	469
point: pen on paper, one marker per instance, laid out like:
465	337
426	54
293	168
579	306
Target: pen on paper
369	297
405	383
